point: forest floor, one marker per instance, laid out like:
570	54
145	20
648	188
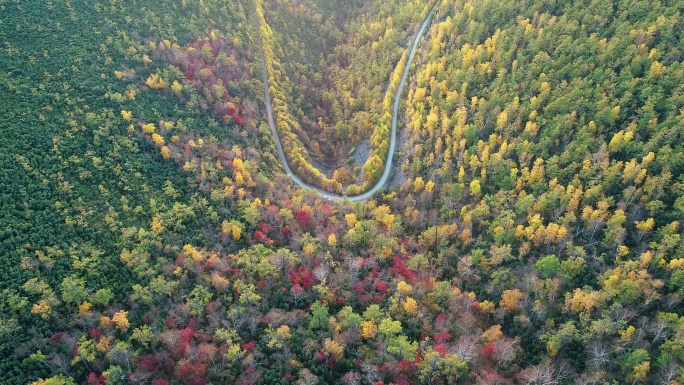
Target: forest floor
398	177
361	155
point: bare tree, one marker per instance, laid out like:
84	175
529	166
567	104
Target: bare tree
297	294
352	378
659	329
370	373
506	351
667	374
353	267
542	374
320	272
59	363
673	300
593	378
307	378
466	348
599	356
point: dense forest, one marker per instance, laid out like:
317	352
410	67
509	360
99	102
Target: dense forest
531	233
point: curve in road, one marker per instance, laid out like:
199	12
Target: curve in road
393	136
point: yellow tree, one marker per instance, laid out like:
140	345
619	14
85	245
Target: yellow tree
42	308
155	82
410	306
158	139
492	334
510	300
368	329
120	319
404	289
148	128
475	188
126	115
278	338
166	152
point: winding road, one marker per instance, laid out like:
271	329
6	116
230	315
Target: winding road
395	116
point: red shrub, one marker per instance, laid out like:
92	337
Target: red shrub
303	218
443	337
441	349
488	350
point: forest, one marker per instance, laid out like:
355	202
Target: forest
530	232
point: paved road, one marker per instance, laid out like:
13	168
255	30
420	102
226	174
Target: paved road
395	114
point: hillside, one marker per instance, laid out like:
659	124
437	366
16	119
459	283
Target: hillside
531	233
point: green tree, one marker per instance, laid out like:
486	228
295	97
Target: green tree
319	316
548	266
73	289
